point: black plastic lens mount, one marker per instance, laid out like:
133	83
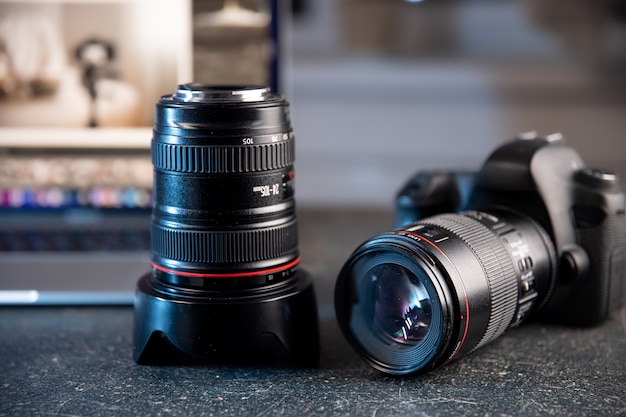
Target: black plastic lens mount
413	299
224	241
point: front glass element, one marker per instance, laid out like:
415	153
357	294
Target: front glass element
396	314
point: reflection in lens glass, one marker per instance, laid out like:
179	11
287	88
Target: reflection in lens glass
396	315
401	310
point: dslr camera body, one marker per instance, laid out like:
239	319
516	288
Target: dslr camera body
534	233
582	210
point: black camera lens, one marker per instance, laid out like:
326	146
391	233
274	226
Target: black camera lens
224	242
224	212
415	298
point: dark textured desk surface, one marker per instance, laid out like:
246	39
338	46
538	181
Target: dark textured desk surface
77	361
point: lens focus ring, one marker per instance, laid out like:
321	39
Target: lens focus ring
222	159
496	263
224	246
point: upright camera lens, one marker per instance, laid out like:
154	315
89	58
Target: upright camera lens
224	239
224	213
415	298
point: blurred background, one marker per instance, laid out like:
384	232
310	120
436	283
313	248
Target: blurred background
382	88
379	88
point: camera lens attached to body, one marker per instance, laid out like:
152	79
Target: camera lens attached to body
413	299
225	282
537	233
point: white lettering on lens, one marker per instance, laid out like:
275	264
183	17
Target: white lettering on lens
267	190
263	189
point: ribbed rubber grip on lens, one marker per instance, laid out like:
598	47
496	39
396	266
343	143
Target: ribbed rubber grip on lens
222	159
224	246
497	265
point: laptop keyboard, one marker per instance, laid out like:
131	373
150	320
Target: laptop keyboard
74	240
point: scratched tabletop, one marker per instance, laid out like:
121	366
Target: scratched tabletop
73	361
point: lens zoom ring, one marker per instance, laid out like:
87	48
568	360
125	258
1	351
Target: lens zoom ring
224	247
497	265
222	159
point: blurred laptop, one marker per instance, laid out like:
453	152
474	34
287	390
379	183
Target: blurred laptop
77	97
74	223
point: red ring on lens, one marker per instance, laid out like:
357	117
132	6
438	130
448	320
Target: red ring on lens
227	275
